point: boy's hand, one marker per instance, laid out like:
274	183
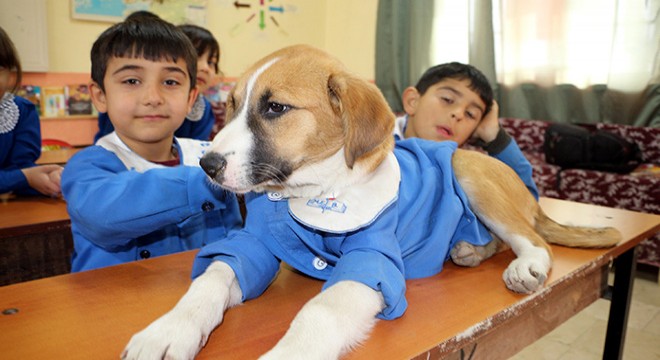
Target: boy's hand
56	176
45	179
490	126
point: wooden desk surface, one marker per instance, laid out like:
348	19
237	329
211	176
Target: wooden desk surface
93	314
59	156
29	214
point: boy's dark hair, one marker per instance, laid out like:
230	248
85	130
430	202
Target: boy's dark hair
202	40
147	37
455	70
9	58
142	14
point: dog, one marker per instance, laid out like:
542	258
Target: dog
311	146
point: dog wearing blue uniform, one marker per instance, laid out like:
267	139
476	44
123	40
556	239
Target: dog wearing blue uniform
330	193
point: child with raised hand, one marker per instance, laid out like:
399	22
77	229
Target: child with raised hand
454	101
20	134
200	120
139	192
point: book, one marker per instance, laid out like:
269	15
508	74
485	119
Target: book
54	101
79	101
32	93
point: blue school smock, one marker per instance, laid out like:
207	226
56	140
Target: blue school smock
20	143
410	239
124	208
511	155
197	125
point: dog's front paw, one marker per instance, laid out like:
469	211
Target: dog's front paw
525	275
169	337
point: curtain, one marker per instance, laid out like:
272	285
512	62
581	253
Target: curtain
578	61
402	46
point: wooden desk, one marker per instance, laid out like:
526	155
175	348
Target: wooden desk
60	156
35	239
93	314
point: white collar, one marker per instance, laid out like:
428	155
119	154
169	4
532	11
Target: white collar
400	124
354	207
190	151
197	111
9	113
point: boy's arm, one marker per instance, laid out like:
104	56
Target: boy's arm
111	205
514	158
495	140
26	150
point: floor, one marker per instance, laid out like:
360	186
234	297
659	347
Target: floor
582	337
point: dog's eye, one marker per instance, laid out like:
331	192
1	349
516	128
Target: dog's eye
275	108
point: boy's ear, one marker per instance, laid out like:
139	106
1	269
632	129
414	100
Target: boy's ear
192	96
98	97
410	99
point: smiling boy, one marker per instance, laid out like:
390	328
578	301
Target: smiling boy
454	102
139	192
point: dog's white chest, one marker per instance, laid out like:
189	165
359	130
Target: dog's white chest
353	208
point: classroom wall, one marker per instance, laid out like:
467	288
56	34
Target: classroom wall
343	27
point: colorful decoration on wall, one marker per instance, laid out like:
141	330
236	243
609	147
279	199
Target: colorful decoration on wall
264	14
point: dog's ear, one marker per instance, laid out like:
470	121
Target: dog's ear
368	119
230	107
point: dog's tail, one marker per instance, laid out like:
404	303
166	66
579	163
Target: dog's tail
575	236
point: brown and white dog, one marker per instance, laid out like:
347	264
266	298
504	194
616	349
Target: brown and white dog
278	111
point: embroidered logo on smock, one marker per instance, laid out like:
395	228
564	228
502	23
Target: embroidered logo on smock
275	196
329	204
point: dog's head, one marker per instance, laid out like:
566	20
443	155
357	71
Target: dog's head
300	124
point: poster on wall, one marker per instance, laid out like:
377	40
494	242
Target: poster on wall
174	11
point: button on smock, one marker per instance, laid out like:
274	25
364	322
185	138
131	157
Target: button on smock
207	206
319	264
145	254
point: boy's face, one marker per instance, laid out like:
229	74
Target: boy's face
145	100
448	110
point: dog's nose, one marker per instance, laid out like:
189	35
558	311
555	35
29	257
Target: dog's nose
213	164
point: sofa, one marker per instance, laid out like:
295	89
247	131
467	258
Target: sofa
638	190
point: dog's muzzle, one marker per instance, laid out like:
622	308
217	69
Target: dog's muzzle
214	165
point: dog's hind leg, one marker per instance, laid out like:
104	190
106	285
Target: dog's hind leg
502	202
330	324
466	254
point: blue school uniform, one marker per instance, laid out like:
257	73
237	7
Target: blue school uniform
511	155
20	143
197	125
409	238
125	208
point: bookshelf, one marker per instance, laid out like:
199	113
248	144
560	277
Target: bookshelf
77	130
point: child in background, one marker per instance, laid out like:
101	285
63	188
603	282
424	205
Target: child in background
201	119
20	134
139	192
454	101
208	55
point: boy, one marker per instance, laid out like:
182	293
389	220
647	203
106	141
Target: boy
200	121
454	101
139	192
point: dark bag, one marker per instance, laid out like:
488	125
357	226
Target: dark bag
573	146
